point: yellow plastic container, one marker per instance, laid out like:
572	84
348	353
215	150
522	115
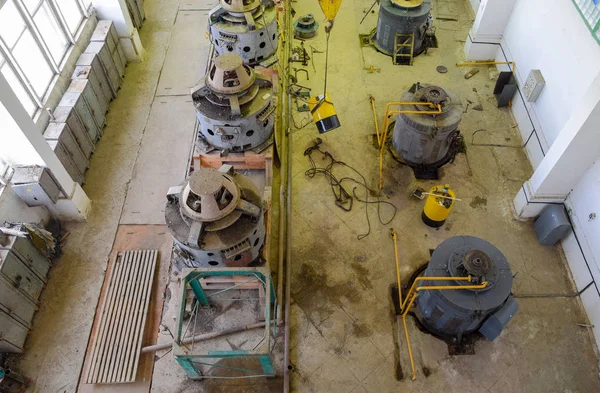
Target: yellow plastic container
438	205
323	112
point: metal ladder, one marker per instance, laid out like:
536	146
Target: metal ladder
402	41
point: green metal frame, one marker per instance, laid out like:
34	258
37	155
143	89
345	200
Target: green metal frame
592	29
188	359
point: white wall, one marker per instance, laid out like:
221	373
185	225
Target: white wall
550	36
15	148
583	252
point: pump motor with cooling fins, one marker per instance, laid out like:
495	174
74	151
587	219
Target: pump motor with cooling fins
245	27
425	142
216	218
452	314
234	106
404	22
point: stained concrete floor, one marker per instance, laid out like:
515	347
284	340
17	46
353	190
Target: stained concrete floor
342	329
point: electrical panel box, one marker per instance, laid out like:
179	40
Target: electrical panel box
36	186
20	276
24	248
12	334
533	85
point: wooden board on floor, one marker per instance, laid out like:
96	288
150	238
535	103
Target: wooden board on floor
131	237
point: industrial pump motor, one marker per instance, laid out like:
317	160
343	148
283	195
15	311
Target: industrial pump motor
245	27
425	142
453	313
216	218
409	19
234	105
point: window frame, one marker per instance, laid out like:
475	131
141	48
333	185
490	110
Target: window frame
594	30
56	66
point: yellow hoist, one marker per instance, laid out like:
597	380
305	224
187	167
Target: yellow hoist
321	107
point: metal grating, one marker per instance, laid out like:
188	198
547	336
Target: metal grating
118	339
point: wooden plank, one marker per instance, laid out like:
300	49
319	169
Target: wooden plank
114	321
145	316
132	297
140	285
139	237
105	307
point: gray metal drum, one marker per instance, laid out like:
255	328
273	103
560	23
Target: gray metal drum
394	19
426	139
216	218
453	313
230	36
217	257
240	133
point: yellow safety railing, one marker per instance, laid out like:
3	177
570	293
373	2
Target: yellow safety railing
412	294
437	109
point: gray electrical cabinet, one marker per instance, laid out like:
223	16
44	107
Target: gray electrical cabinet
63	131
69	116
19	275
88	73
66	140
101	50
35	185
15	303
77	101
12	334
92	60
65	158
83	87
23	248
106	32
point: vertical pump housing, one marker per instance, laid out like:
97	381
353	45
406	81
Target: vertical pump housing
453	313
245	27
216	218
234	105
403	17
425	142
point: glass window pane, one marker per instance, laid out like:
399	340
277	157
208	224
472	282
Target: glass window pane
33	63
19	90
71	12
31	5
11	23
51	32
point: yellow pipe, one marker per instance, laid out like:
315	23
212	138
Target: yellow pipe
412	296
478	63
395	238
388	113
419	279
372	99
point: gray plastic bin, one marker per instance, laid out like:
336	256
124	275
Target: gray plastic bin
552	225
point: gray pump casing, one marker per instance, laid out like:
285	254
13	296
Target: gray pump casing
394	20
422	139
456	312
231	34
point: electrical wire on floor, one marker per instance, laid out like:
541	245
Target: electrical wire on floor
343	199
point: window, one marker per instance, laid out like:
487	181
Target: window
590	12
35	36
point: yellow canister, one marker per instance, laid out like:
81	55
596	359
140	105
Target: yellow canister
438	204
323	113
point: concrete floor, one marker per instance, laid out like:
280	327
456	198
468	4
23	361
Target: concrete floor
342	329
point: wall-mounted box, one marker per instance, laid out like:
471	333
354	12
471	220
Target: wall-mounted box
533	85
36	186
